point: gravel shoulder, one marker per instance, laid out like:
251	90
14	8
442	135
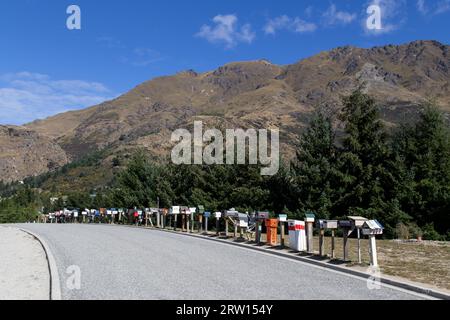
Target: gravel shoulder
24	273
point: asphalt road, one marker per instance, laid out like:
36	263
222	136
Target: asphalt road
128	263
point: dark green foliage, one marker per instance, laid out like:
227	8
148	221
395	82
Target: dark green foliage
313	171
424	150
24	206
141	184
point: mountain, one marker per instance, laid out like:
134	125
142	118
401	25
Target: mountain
255	94
26	153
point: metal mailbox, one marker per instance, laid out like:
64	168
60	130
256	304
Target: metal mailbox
262	215
185	210
347	224
357	222
207	214
330	224
201	209
310	217
243	220
320	224
230	213
372	227
175	210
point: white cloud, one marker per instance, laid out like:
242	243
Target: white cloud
285	22
333	16
27	96
422	7
442	7
393	15
434	8
226	30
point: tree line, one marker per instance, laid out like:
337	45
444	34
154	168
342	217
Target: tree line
400	177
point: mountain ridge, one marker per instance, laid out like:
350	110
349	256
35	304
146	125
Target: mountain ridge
256	94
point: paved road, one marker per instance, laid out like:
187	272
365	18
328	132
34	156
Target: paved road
128	263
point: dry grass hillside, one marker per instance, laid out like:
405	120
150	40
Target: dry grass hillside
256	94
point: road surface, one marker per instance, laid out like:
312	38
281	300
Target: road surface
127	263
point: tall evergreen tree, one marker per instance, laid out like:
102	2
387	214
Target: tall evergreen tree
313	169
365	164
425	152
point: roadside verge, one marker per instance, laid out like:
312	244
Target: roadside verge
55	286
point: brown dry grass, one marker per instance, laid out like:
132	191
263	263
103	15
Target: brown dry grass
426	262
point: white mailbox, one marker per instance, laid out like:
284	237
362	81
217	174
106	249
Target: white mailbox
297	235
357	222
175	210
230	213
372	227
330	224
218	215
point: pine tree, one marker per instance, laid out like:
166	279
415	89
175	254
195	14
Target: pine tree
313	169
425	152
367	181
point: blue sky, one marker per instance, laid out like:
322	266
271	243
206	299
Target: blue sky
46	68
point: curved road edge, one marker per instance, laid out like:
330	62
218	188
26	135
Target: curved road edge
55	285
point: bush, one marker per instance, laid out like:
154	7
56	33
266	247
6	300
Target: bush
415	231
429	233
402	231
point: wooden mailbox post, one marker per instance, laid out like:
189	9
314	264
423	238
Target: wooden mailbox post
357	223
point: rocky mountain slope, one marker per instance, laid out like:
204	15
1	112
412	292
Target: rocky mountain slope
25	153
254	94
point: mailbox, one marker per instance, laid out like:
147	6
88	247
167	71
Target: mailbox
192	210
372	227
185	210
230	213
330	224
345	224
310	217
357	222
218	215
175	210
262	215
243	220
201	209
320	224
283	217
207	214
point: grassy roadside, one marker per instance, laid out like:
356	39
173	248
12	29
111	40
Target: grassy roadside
425	262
